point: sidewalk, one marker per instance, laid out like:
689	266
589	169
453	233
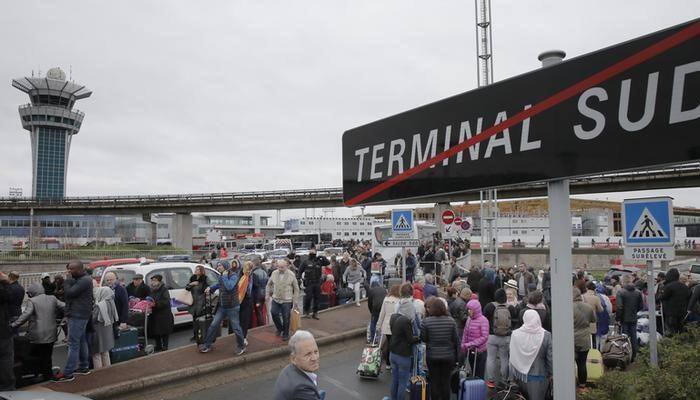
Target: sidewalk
186	362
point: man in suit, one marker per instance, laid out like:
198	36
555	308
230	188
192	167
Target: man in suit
298	380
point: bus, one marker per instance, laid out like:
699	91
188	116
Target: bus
382	232
305	239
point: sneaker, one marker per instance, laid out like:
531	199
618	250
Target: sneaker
306	315
245	342
204	349
241	350
314	316
388	367
82	371
358	304
490	384
62	378
285	338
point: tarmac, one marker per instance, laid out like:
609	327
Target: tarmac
186	363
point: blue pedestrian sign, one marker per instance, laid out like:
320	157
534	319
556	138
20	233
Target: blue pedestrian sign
402	221
648	222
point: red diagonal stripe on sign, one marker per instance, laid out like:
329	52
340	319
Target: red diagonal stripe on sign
657	48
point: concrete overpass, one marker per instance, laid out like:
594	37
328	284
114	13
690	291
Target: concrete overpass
681	176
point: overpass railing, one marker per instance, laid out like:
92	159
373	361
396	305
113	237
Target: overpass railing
80	254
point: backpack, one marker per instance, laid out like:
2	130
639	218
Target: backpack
502	324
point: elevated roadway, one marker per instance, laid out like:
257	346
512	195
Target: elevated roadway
682	176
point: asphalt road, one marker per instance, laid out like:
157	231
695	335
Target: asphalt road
336	376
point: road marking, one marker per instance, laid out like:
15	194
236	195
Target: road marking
342	387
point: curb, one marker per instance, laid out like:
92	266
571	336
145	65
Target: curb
113	391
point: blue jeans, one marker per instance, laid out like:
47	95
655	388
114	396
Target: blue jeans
221	313
400	375
280	316
373	327
78	352
630	329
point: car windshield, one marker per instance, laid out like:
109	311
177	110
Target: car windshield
125	276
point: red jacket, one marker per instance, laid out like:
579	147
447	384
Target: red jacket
418	291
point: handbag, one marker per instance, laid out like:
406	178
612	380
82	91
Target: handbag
294	322
185	297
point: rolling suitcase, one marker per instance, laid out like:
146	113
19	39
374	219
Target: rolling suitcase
202	323
594	364
126	346
371	361
418	385
617	350
472	387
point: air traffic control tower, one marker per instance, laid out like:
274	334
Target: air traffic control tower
52	122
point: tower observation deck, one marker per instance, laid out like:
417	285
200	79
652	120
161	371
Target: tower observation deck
52	122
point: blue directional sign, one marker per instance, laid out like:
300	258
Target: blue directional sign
648	222
402	221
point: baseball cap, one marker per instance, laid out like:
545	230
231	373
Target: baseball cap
138	276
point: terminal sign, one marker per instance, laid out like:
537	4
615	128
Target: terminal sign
630	106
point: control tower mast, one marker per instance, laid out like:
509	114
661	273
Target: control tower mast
52	122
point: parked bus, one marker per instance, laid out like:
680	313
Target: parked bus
303	239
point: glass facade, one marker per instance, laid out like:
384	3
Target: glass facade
50	163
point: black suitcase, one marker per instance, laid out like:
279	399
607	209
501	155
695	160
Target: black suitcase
202	323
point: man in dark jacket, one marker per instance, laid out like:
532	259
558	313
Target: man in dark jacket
14	308
259	277
629	303
375	299
312	272
7	354
473	279
298	380
229	306
138	288
79	301
674	298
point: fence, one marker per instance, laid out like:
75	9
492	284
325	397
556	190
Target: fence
81	254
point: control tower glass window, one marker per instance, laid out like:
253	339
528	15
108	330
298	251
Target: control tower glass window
51	150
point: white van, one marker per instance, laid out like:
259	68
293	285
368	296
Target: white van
176	275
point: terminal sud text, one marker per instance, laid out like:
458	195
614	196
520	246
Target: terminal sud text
633	105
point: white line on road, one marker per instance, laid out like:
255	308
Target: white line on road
340	386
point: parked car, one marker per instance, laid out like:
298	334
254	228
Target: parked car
97	268
40	395
618	270
695	272
176	275
277	254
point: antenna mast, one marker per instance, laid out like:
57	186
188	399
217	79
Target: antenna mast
484	73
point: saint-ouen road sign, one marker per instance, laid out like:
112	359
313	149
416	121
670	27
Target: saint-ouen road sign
625	107
402	243
648	229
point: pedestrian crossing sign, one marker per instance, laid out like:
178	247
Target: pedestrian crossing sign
402	221
648	222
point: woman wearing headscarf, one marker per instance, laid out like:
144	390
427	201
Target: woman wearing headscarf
439	332
403	337
475	337
245	298
198	282
104	315
531	356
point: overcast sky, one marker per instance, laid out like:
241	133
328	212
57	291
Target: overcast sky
225	96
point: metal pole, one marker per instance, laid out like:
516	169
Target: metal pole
561	262
562	309
403	264
31	230
651	302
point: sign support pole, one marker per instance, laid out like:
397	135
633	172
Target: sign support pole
561	270
651	302
403	264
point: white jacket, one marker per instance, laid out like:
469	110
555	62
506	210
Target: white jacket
388	309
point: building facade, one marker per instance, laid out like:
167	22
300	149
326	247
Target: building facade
52	122
355	228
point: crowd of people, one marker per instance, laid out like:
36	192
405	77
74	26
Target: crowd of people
495	322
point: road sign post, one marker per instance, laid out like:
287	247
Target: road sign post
649	234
